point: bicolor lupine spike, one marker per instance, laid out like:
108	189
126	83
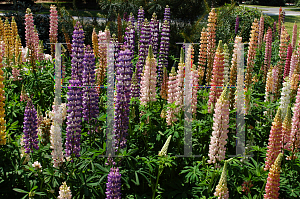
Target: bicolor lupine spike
251	53
268	53
148	80
211	30
129	37
74	103
272	186
217	78
140	20
221	189
30	128
237	22
288	62
275	139
53	27
113	185
293	64
154	26
261	30
218	141
287	130
2	109
195	88
295	134
122	97
180	83
167	14
202	55
233	71
143	51
163	50
269	90
172	84
90	96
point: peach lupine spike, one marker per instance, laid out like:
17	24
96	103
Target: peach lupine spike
217	78
272	186
275	139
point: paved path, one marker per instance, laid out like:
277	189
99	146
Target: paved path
275	10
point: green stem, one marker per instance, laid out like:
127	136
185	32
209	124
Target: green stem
160	169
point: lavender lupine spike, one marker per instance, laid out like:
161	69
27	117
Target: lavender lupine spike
131	19
164	50
90	95
122	97
143	52
237	22
167	14
30	128
140	20
154	26
74	95
129	38
113	185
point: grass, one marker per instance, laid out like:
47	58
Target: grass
289	23
296	9
268	6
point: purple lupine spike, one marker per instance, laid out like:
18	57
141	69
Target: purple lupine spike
154	26
125	17
129	37
143	52
131	19
113	185
75	95
237	22
30	131
77	52
167	14
90	95
163	51
122	97
140	20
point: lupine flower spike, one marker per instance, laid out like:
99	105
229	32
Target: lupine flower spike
163	151
202	55
58	114
113	185
2	104
53	27
75	95
221	189
272	186
217	78
287	130
275	139
172	84
64	192
220	129
30	128
211	29
237	22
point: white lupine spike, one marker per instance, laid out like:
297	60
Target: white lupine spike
285	98
163	151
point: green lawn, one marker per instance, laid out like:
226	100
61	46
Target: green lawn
296	9
268	6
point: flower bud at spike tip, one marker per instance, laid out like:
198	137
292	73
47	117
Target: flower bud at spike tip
150	52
